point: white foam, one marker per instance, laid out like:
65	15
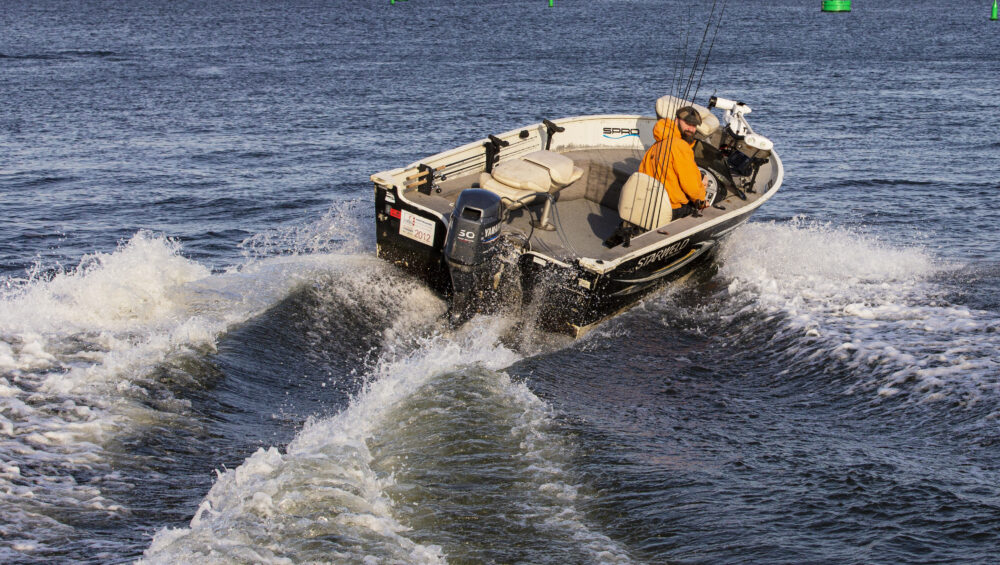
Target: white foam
876	306
77	350
342	229
270	501
209	72
557	494
330	454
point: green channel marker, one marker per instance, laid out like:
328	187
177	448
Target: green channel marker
993	16
836	5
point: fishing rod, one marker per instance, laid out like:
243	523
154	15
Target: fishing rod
679	89
697	57
685	91
722	14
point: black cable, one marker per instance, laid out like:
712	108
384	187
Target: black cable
697	57
711	45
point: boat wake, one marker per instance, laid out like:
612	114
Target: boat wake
885	312
100	362
107	373
440	444
74	351
439	454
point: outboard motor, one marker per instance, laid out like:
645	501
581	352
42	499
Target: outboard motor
471	251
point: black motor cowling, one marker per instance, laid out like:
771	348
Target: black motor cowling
471	250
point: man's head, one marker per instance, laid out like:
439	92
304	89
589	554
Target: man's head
688	121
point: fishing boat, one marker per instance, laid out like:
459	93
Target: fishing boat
556	216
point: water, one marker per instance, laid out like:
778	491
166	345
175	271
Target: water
202	361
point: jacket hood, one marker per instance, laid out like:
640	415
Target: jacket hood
664	129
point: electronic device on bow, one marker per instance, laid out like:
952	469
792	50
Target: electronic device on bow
745	150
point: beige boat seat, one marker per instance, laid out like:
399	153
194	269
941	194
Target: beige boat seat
539	171
644	202
667	106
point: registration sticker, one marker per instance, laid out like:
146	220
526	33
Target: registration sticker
415	227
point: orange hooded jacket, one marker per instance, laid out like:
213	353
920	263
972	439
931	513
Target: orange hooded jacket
678	173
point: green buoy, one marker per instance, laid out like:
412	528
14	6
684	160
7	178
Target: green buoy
836	5
993	16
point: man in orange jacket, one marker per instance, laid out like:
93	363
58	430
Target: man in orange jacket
671	161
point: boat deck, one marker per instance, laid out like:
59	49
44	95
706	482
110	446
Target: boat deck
585	212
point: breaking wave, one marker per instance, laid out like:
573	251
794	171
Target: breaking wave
439	442
87	358
882	310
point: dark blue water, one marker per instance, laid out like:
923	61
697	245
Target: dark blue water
202	361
